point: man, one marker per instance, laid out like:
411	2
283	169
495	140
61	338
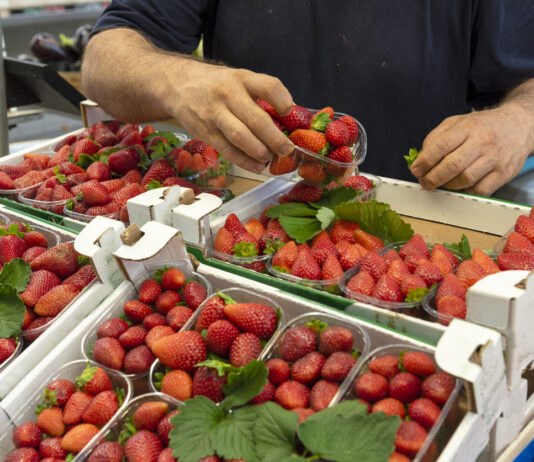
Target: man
411	71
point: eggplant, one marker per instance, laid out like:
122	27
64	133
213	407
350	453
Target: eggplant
45	47
81	37
68	44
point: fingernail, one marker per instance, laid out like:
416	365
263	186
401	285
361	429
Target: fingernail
287	150
416	171
258	167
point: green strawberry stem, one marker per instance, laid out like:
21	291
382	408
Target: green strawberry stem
412	155
227	299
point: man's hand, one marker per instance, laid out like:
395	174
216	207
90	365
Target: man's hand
477	152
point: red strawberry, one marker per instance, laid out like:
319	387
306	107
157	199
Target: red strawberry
143	446
368	241
485	261
197	163
23	455
285	257
51	448
212	311
177	384
424	412
178	316
399	271
244	349
182	350
417	244
451	286
335	338
429	272
279	371
298	118
126	129
440	260
194	294
7	347
62	390
148	415
109	352
517	243
371	387
224	241
292	395
391	256
343	230
156	333
387	289
113	327
27	435
85	146
525	226
283	165
220	336
386	365
322	246
442	249
55	300
113	185
246	245
322	394
309	139
41	281
98	171
108	451
94	380
104	136
438	387
410	438
390	406
312	171
303	192
331	270
132	139
167	300
352	125
469	272
351	255
50	421
418	363
29	179
28	318
35	239
134	336
133	176
267	107
136	311
308	368
165	426
515	261
337	133
75	407
361	283
410	283
359	182
405	387
182	160
35	325
305	266
208	382
11	247
95	194
297	342
149	291
159	170
172	279
266	394
62	260
101	409
123	161
337	366
256	318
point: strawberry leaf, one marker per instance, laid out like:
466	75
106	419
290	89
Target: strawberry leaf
412	155
153	184
16	273
11	311
12	229
325	216
190	439
320	121
245	249
331	198
85	160
291	209
221	367
69	205
463	247
244	384
227	299
104	156
274	432
301	229
272	246
120	393
144	160
86	376
128	430
60	176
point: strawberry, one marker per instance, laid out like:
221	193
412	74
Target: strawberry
182	350
361	283
27	435
285	257
194	294
331	270
165	426
109	352
405	387
182	160
178	316
303	413
29	179
94	380
298	118
50	421
101	409
136	311
389	406
177	384
322	246
438	387
28	318
386	365
166	456
78	437
61	389
525	226
61	155
440	260
429	272
387	289
134	336
220	336
469	272
11	247
132	139
399	271
95	194
35	239
38	160
256	318
167	300
308	368
443	250
305	266
156	333
292	395
485	261
212	311
68	168
266	107
126	129
148	415
123	161
303	192
352	125
410	438
23	455
326	110
224	241
424	412
410	283
244	349
371	387
322	393
313	172
62	260
98	171
309	139
343	230
337	133
515	261
283	165
85	146
234	225
51	448
104	136
7	347
297	342
113	185
335	338
108	451
197	163
359	182
41	281
517	243
451	286
149	291
159	170
36	324
266	394
207	382
368	241
350	256
132	176
417	244
337	366
75	407
113	327
418	363
210	156
279	371
254	228
55	300
8	173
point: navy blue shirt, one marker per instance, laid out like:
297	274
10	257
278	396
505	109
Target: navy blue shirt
399	66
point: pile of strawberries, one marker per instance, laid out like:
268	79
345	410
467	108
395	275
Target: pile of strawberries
518	252
58	274
403	276
409	387
329	141
144	436
162	308
33	169
231	333
71	414
308	365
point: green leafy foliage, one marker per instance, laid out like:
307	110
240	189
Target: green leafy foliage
16	273
301	229
86	376
316	325
291	209
60	176
128	430
325	217
153	184
11	311
378	219
244	384
412	155
333	197
462	247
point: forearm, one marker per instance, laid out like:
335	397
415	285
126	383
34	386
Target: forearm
521	100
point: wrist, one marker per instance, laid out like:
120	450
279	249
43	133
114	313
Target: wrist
523	117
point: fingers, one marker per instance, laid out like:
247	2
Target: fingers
233	154
270	89
471	175
439	144
488	185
